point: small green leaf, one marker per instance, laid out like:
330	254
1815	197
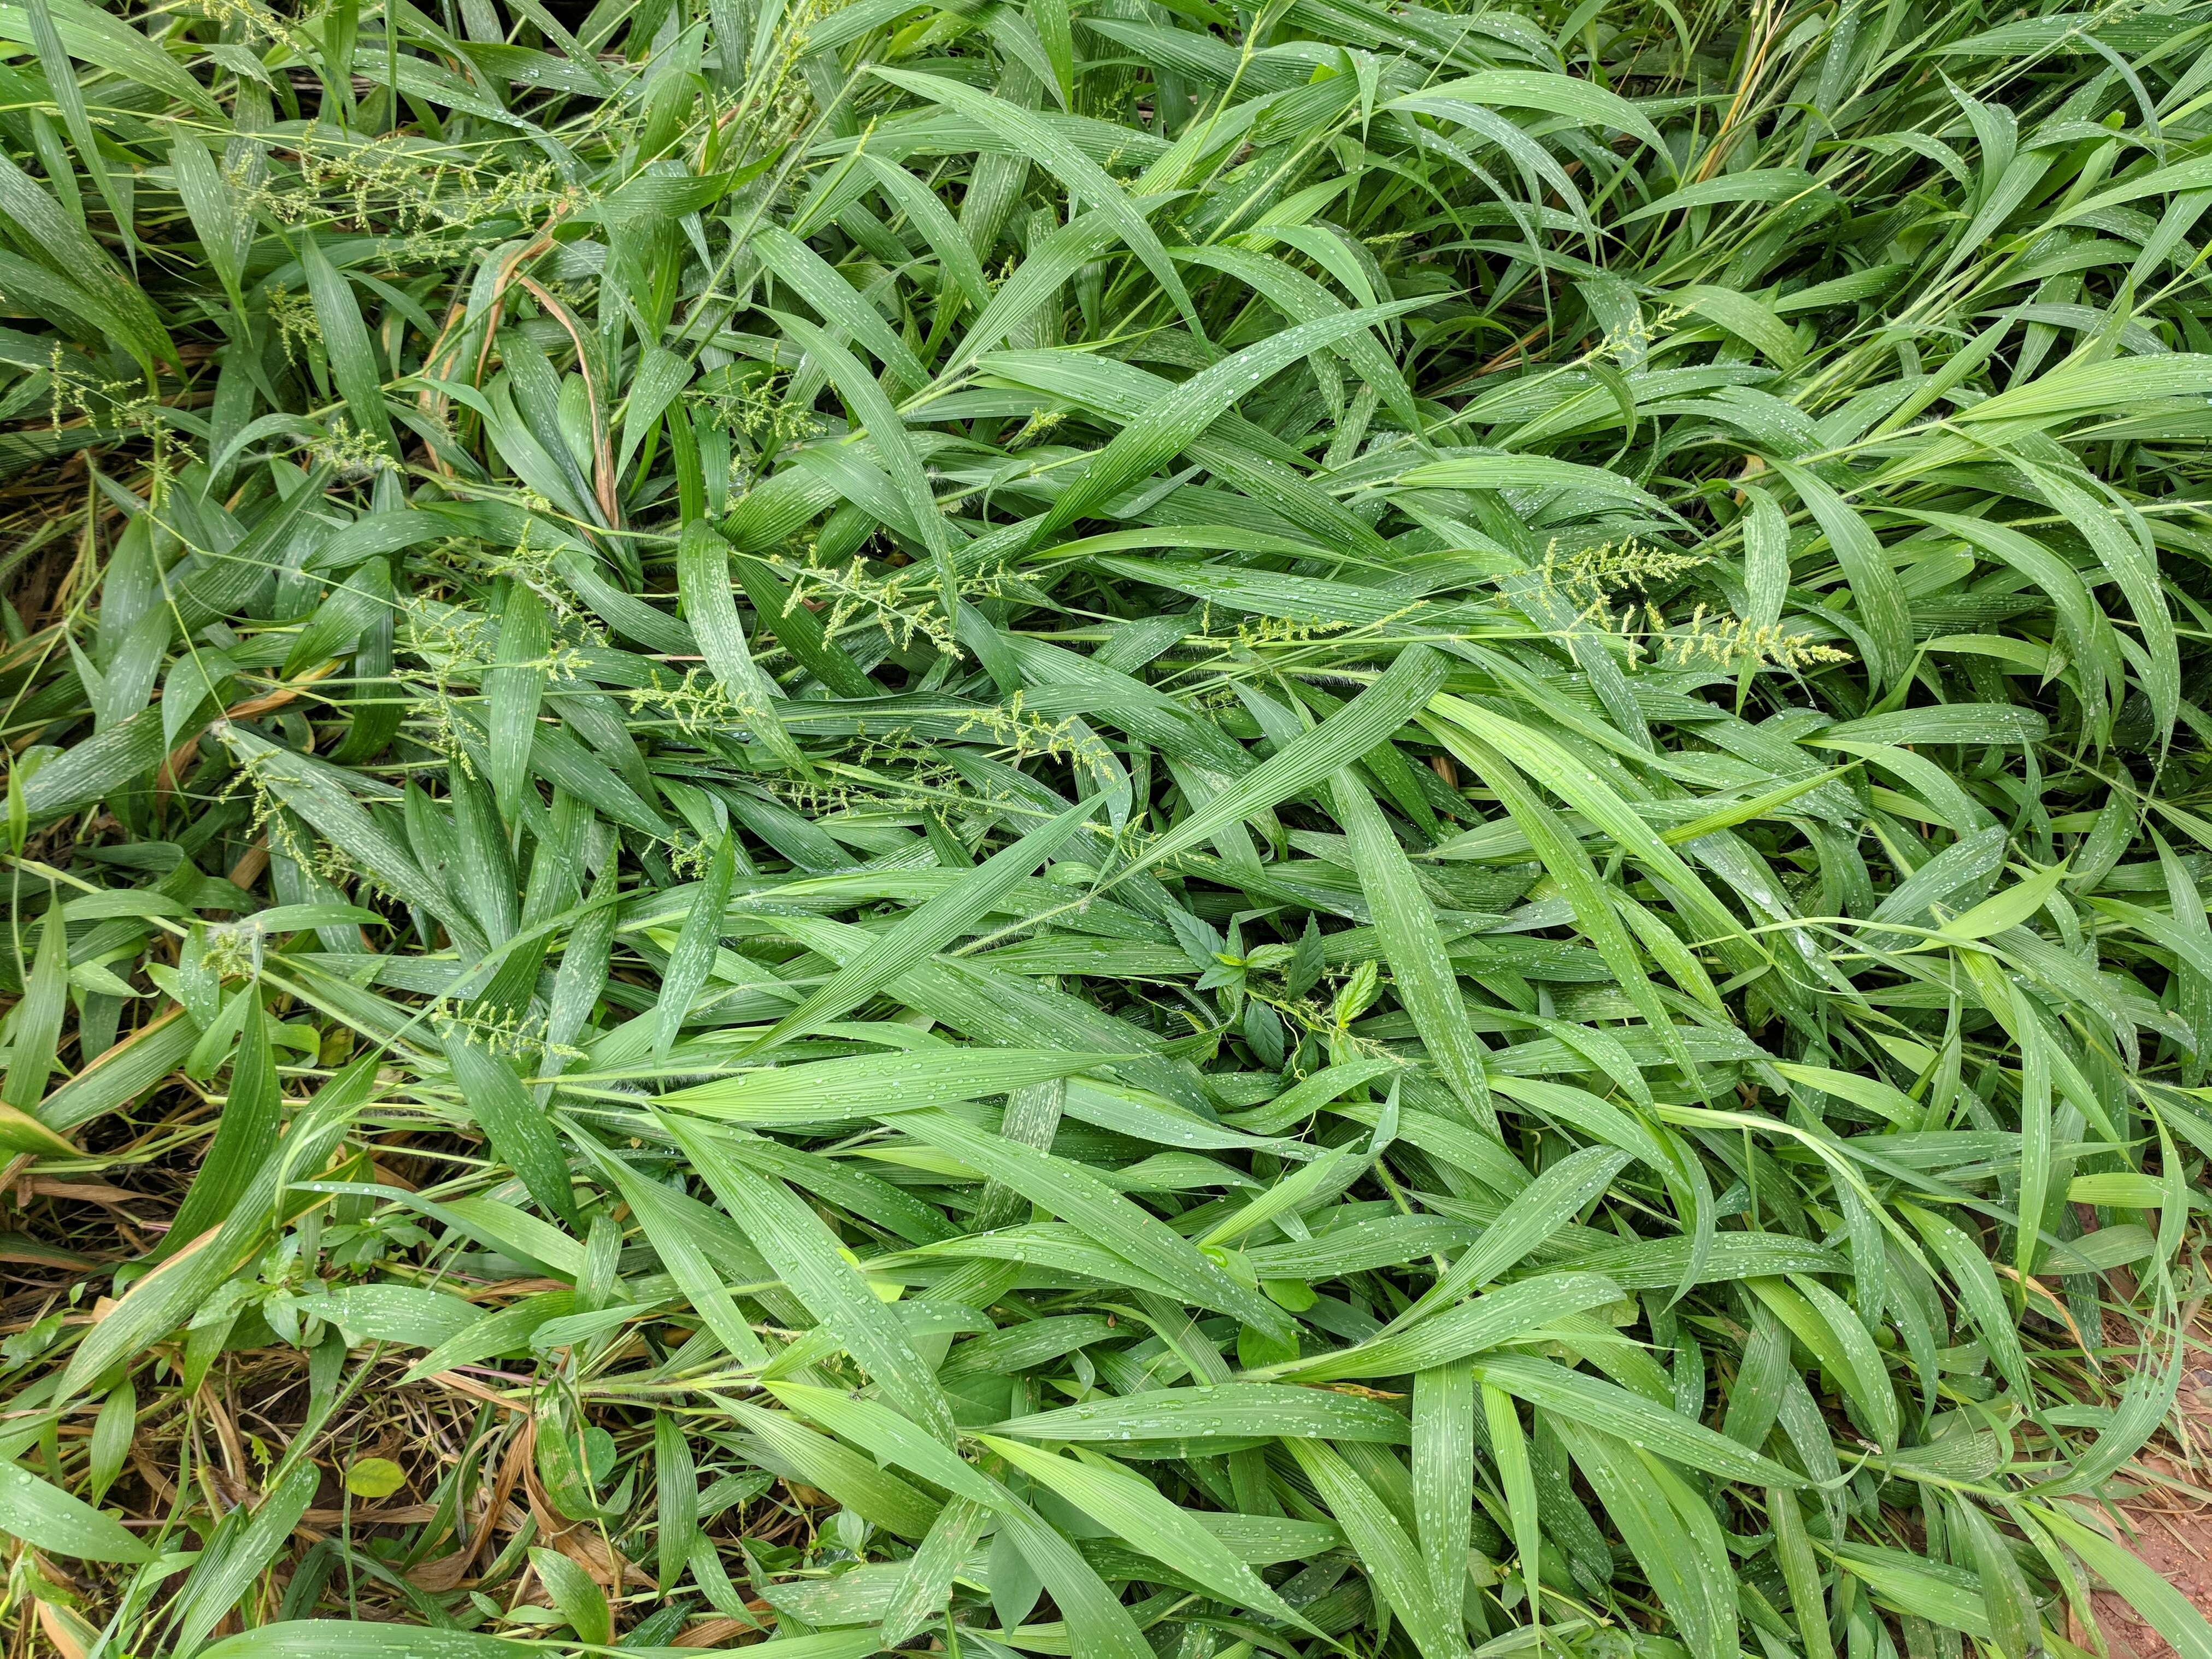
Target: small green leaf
375	1477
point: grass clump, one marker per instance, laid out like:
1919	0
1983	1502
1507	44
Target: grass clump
1120	829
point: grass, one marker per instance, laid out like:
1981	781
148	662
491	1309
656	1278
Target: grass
1111	831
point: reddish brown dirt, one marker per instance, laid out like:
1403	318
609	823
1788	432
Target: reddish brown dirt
2172	1535
2176	1544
